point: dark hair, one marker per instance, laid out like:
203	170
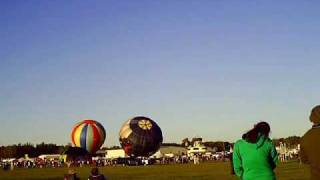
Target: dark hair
315	115
94	171
252	135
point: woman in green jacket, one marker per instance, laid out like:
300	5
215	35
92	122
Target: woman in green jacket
255	156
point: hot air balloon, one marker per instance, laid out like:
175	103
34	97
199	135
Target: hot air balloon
89	135
140	136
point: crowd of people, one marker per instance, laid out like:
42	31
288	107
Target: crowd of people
101	162
31	163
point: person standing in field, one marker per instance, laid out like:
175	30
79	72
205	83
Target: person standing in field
310	144
95	175
196	159
254	156
71	175
283	151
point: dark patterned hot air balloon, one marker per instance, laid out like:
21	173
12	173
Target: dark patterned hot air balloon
89	135
140	136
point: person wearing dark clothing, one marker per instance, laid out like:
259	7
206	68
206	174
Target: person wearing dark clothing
310	146
71	175
95	175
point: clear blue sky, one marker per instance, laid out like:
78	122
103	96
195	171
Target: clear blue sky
198	68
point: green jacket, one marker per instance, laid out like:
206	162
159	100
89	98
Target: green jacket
255	161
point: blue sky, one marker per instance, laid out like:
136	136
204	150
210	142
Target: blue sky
198	68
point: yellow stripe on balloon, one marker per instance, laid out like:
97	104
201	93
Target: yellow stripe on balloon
124	129
73	131
77	134
126	133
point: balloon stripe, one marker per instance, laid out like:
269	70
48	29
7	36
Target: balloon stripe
96	138
89	136
83	137
102	129
126	126
101	135
73	132
126	132
77	135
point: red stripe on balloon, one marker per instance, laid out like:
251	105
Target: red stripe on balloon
89	121
73	131
96	138
127	149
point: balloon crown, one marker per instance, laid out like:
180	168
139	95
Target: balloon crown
89	121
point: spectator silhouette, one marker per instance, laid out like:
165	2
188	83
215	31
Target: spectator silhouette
310	146
95	175
71	175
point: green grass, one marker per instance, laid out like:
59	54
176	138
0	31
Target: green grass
214	170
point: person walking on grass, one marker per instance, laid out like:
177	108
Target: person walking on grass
254	156
310	145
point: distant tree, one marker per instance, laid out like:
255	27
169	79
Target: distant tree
220	145
20	150
195	139
210	144
185	142
48	149
8	152
113	147
171	144
291	141
217	146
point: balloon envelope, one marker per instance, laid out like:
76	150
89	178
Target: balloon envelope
140	136
89	135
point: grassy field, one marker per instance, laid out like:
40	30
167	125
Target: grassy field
215	170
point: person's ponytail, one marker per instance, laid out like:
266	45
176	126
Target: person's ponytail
252	136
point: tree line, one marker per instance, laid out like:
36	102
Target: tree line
218	146
291	141
20	150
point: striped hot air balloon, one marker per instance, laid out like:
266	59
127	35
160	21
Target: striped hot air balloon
89	135
140	136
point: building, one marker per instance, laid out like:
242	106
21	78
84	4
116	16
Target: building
170	151
49	156
115	153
